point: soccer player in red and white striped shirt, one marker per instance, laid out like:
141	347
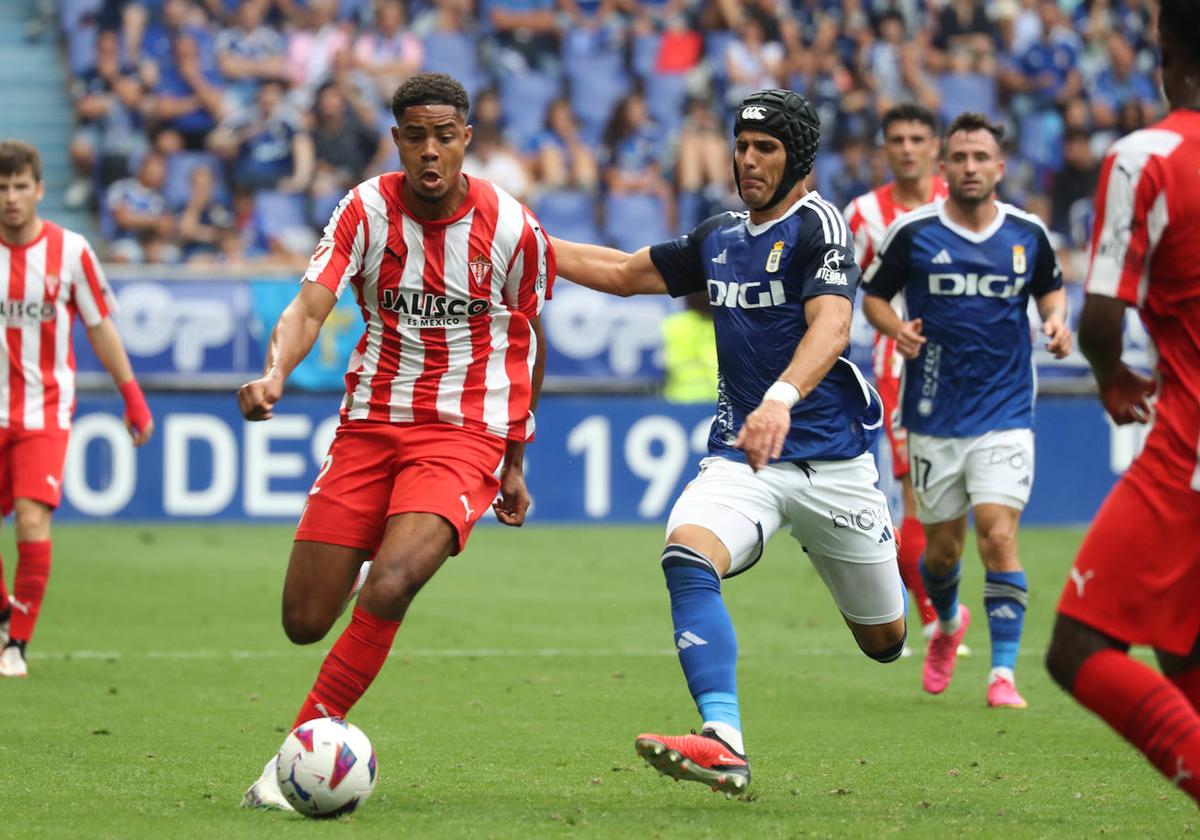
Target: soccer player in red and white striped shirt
48	276
451	273
1136	579
911	145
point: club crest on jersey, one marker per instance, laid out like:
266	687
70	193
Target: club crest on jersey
481	270
774	257
52	283
1018	259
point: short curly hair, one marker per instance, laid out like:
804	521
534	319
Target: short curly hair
971	121
430	89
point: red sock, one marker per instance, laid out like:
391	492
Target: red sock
350	667
1147	710
912	546
29	586
1189	683
3	590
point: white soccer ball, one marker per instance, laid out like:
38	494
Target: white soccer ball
326	768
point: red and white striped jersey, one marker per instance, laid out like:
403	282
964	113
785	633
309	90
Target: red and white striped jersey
870	215
447	306
1145	252
43	285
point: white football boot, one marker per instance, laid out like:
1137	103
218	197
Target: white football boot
12	663
265	792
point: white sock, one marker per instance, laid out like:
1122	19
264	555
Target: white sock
927	629
731	736
951	627
1006	673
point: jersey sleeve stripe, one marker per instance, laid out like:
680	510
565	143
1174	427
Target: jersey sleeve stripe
339	254
95	287
825	232
1120	245
837	223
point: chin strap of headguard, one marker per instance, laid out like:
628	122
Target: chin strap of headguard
792	120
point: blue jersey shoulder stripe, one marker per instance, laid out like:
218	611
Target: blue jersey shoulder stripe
927	211
839	222
832	223
1022	215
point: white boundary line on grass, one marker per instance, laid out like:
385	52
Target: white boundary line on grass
440	653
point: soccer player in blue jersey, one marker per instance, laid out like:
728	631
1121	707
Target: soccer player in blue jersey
967	266
788	446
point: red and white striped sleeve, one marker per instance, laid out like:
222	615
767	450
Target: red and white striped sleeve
530	280
859	231
338	257
90	292
1131	216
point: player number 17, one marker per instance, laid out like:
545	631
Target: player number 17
920	472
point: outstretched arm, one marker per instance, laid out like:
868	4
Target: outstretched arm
766	428
1124	393
608	270
294	335
106	341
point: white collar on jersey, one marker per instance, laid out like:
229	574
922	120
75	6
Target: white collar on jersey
976	236
756	230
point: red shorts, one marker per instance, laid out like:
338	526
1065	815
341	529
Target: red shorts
375	470
888	365
1137	575
31	466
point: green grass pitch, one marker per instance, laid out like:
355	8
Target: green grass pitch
160	682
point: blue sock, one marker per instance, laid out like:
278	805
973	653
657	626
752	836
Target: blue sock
943	591
703	634
1004	595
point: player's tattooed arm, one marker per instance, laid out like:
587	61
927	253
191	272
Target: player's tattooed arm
607	269
1124	393
882	317
294	335
1052	306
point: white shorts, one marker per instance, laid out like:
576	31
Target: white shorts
833	509
950	475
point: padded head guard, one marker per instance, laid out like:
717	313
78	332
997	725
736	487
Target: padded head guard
789	118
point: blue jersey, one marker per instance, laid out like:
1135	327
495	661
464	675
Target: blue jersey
758	278
971	292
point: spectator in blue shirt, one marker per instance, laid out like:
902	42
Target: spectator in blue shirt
138	208
108	113
266	145
178	19
527	33
187	97
1047	70
203	218
1121	83
557	155
250	52
634	154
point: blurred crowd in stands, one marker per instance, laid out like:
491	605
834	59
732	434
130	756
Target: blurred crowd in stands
224	132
